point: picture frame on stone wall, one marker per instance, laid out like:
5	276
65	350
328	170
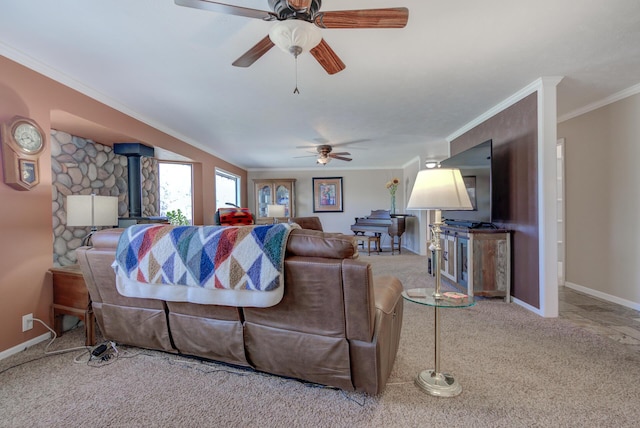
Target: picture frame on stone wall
327	194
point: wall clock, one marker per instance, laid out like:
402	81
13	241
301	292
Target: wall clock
22	143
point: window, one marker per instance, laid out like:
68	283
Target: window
176	189
227	189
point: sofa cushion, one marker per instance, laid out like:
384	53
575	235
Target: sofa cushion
315	243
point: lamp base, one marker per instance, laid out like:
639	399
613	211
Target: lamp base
438	384
86	241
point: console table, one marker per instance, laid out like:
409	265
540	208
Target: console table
478	260
71	297
434	381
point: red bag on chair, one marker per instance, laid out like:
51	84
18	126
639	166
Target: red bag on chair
235	216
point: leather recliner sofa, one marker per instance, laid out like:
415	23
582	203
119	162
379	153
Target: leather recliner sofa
336	325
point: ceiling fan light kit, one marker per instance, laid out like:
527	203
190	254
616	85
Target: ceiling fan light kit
295	36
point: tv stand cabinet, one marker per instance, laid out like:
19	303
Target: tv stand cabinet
477	259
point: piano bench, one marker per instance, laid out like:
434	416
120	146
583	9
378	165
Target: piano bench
369	239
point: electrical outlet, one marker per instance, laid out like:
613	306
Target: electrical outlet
27	322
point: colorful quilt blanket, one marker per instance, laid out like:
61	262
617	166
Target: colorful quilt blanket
223	265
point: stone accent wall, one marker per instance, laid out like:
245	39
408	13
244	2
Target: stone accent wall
150	187
81	167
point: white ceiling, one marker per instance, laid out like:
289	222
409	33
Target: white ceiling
403	91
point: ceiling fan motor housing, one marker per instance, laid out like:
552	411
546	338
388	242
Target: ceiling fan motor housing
324	150
282	9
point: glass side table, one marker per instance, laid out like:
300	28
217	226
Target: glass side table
434	381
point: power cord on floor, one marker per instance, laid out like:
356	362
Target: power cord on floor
48	353
100	355
55	336
103	354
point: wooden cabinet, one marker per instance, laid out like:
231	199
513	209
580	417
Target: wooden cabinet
478	260
280	191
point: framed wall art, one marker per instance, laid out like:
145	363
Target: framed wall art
327	194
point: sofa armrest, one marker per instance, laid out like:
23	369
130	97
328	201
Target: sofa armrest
387	291
312	223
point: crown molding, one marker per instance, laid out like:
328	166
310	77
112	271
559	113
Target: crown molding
66	80
411	162
633	90
508	102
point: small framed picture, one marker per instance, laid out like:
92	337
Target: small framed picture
28	174
327	194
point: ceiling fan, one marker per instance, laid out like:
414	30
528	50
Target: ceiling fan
325	155
298	27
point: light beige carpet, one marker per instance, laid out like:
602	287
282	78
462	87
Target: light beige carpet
516	369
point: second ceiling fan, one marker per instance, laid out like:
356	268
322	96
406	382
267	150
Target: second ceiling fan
299	24
325	154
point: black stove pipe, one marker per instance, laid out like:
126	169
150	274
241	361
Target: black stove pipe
133	152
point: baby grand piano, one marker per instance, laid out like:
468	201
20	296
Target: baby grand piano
379	222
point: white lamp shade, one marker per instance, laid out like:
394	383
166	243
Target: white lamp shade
295	32
92	210
275	210
439	188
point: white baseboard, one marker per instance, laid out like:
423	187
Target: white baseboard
603	296
527	306
21	347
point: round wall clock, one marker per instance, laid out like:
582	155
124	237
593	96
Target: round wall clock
22	143
28	136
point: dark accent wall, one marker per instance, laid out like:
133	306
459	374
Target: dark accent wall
514	132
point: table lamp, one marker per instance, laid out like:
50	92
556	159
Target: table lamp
439	189
91	210
275	211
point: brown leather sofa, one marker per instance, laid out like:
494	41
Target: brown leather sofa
336	325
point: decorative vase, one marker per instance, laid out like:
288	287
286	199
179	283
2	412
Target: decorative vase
393	204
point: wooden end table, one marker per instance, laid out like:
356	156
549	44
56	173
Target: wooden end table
71	297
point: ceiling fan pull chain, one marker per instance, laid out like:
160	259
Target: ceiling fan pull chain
296	91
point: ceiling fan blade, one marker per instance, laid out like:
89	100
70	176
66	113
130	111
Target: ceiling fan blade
299	4
341	154
348	143
331	155
327	58
253	54
214	6
395	17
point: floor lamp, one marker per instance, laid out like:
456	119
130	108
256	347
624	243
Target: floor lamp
438	189
92	210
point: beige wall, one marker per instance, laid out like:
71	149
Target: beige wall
363	191
26	226
602	183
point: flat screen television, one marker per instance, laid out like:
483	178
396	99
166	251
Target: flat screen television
475	166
